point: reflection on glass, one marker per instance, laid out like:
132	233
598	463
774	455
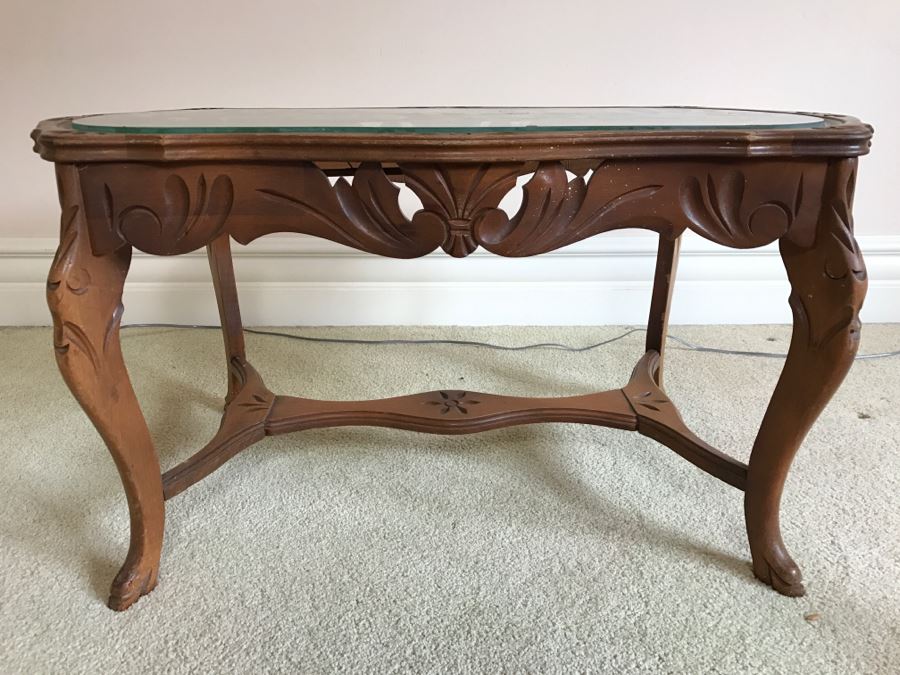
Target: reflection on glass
437	120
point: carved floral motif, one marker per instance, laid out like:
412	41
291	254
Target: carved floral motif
453	401
455	197
652	400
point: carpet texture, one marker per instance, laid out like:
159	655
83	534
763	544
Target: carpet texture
546	548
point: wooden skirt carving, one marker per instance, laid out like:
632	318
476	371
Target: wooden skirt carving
114	199
168	210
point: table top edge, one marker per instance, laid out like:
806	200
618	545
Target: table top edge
845	136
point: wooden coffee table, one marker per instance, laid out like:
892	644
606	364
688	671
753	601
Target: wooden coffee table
171	182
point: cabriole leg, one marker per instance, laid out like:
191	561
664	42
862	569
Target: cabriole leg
828	284
84	292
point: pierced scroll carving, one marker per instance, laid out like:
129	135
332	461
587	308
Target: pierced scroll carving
165	209
364	214
556	212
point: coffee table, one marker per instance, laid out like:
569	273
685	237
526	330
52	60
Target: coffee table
170	182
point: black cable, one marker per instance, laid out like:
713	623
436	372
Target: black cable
474	343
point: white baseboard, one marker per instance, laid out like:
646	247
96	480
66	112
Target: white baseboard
298	280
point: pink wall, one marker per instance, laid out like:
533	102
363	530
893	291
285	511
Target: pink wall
60	58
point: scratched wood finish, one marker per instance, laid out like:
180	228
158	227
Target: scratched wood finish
169	195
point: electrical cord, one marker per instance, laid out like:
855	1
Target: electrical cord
689	346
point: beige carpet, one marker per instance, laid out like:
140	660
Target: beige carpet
549	548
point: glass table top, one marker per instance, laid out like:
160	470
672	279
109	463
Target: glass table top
437	120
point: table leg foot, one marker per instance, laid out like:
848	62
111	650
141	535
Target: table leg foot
133	581
776	568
